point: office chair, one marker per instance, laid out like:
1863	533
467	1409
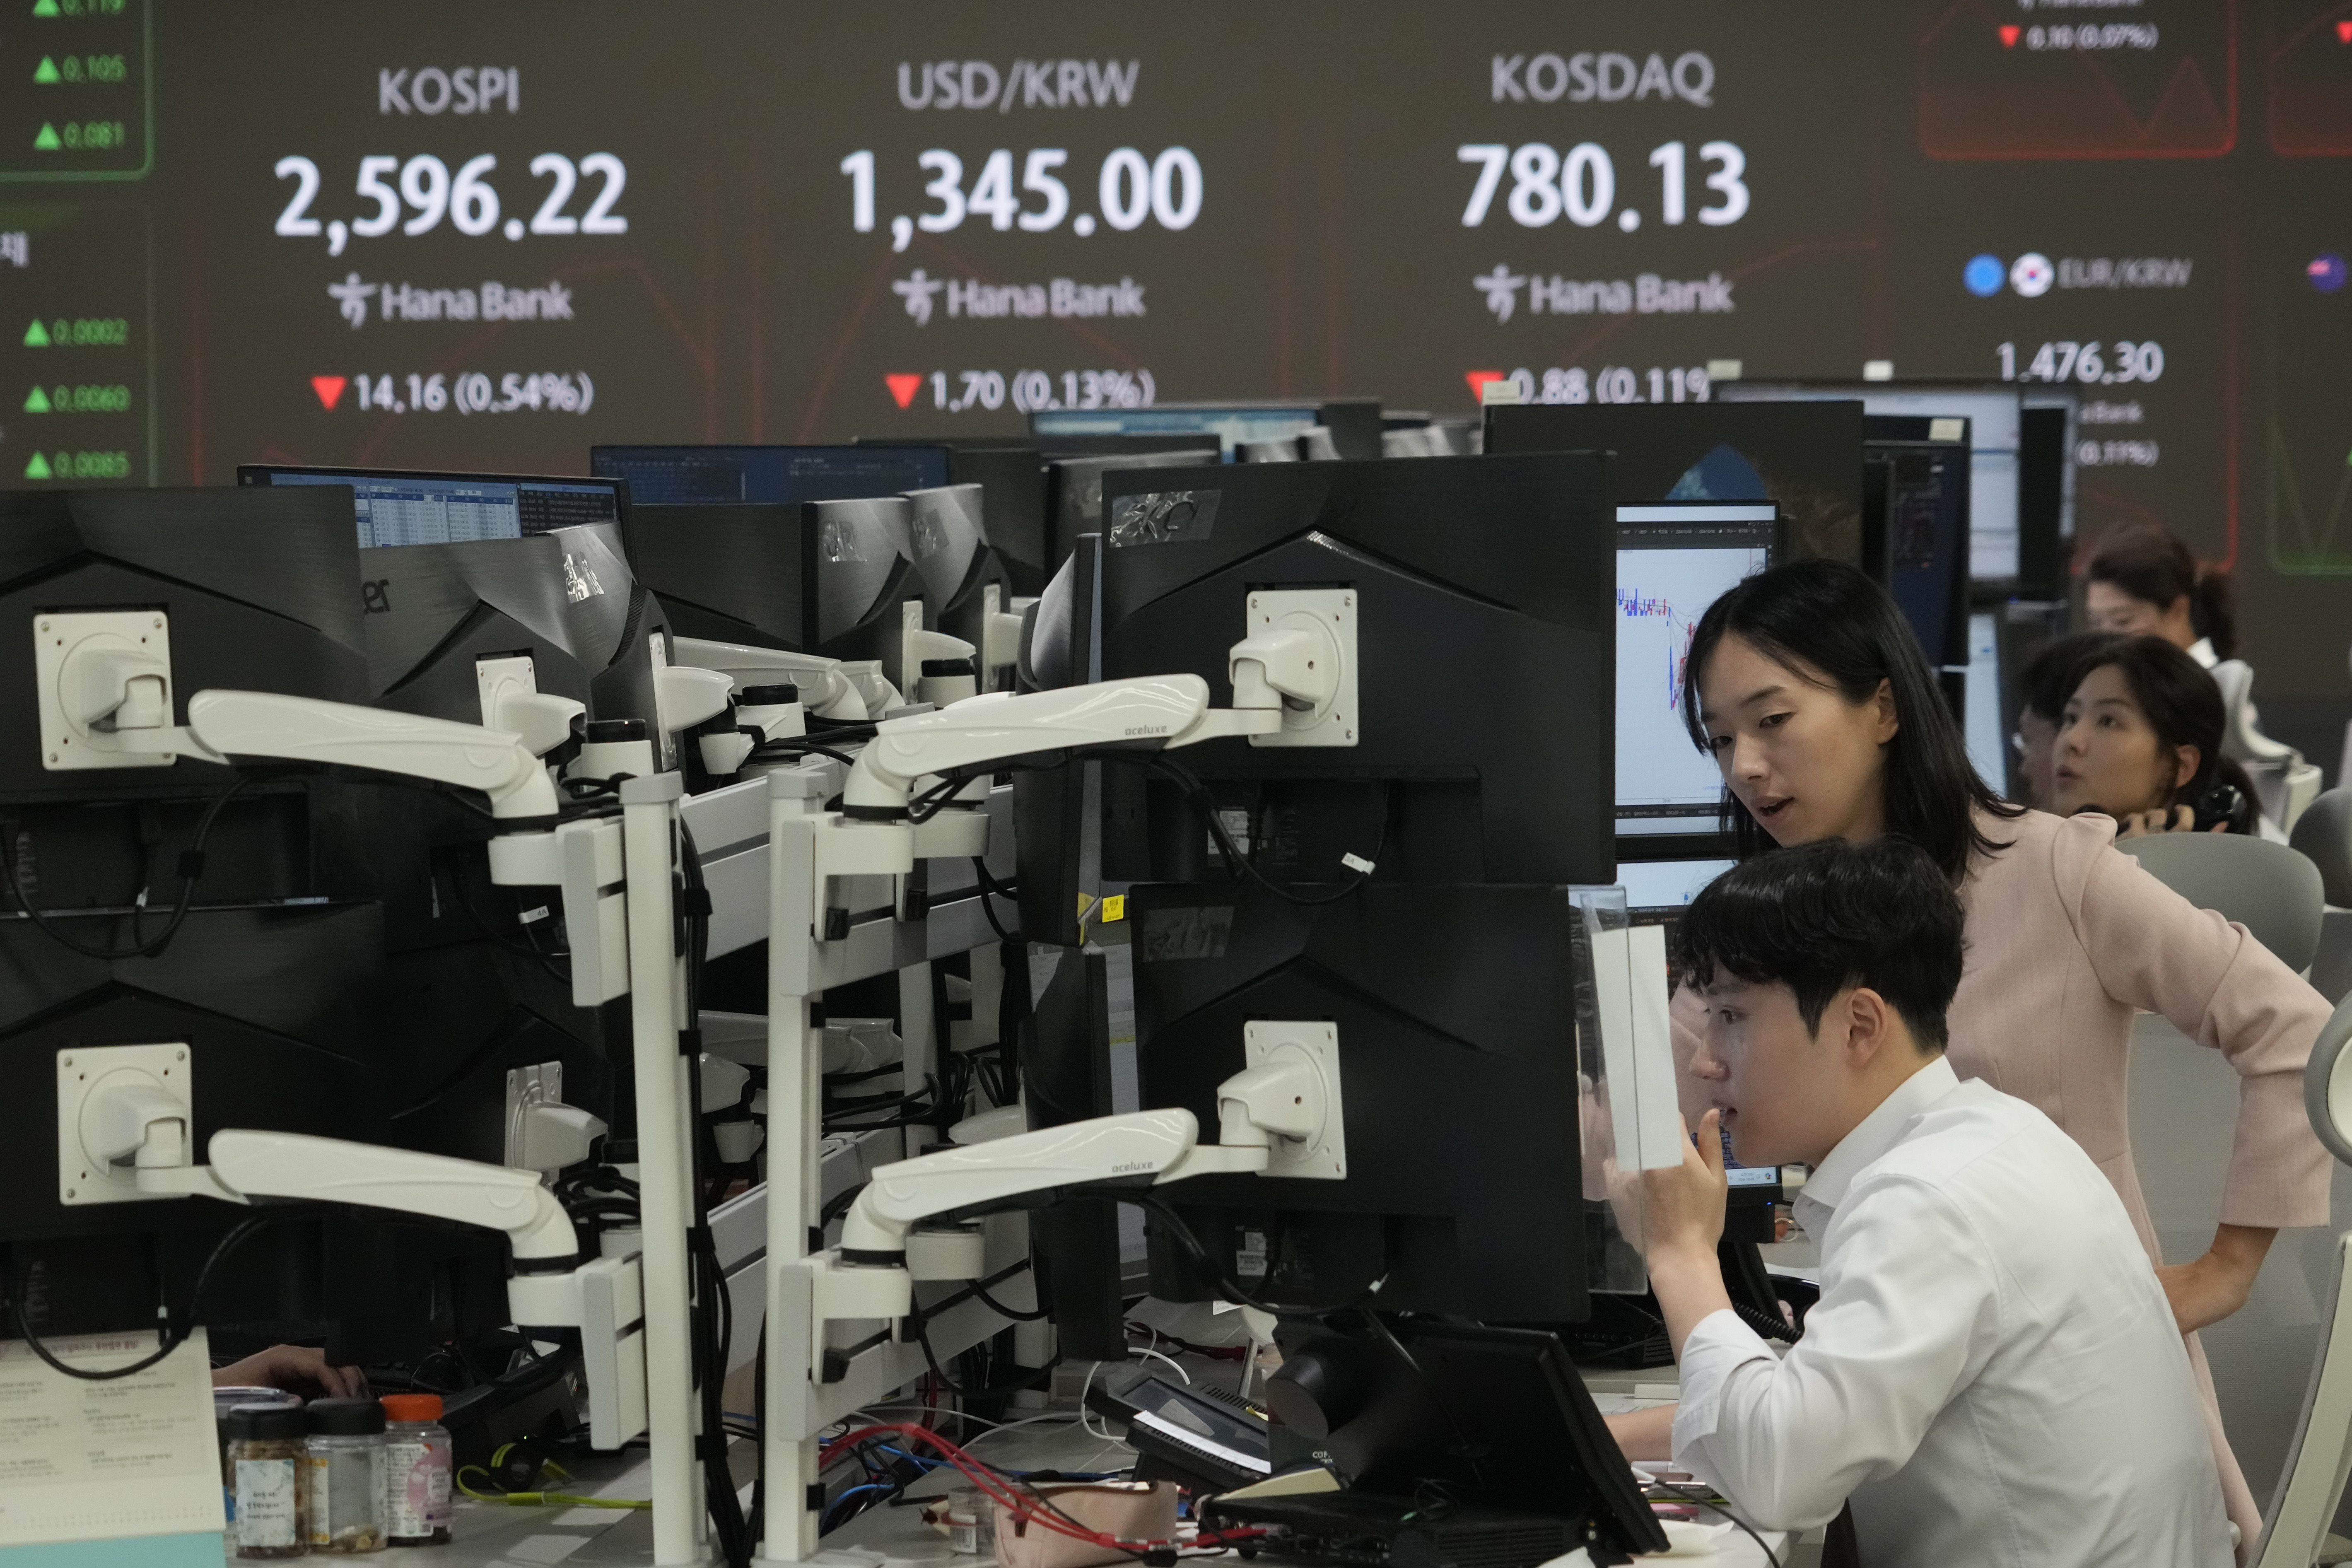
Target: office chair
2311	1487
2323	834
2267	887
2286	783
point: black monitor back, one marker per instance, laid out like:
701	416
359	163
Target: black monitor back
728	571
275	979
1807	458
858	560
1486	662
432	609
1455	1011
1016	502
1918	503
1077	482
963	576
2042	465
257	587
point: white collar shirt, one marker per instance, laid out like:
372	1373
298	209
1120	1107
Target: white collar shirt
1991	1375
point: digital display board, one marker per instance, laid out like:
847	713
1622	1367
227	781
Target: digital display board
448	235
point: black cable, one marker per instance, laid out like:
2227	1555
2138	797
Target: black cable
1225	1283
1197	794
757	1524
990	891
713	1315
1765	1324
192	870
1704	1501
774	751
174	1333
1027	1380
980	1294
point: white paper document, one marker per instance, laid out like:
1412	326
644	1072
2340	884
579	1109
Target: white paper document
94	1461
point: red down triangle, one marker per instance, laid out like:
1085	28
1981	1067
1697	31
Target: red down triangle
2008	38
2344	32
904	387
1478	380
330	389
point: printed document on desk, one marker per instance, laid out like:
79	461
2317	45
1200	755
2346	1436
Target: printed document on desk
95	1461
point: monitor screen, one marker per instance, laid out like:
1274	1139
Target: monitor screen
1994	411
1654	886
1672	561
1230	423
786	474
397	508
1804	458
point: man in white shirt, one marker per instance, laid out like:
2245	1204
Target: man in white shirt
1991	1375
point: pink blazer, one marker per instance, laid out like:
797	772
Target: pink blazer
2067	938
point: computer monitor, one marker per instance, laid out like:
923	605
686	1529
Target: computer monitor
1015	509
1454	1016
274	983
1075	486
563	593
1992	410
1660	891
1485	1417
461	973
1805	460
964	581
1985	716
857	563
1354	423
1916	514
1673	561
726	571
2045	491
1018	492
1483	751
396	507
787	474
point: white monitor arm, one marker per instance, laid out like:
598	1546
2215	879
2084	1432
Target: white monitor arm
248	1164
1281	1102
1153	713
827	689
129	712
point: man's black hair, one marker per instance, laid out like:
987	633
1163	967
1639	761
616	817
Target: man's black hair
1820	918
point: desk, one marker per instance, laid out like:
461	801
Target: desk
495	1535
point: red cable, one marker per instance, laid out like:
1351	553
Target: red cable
985	1479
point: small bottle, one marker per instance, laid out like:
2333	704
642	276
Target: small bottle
416	1509
346	1467
267	1457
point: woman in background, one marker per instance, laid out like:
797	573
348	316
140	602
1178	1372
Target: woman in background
2140	740
2142	582
1809	689
2047	680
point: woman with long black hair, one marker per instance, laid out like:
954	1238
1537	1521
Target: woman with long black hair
2139	740
1809	689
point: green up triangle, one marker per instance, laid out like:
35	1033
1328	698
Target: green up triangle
45	7
38	468
46	141
38	403
46	73
37	336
